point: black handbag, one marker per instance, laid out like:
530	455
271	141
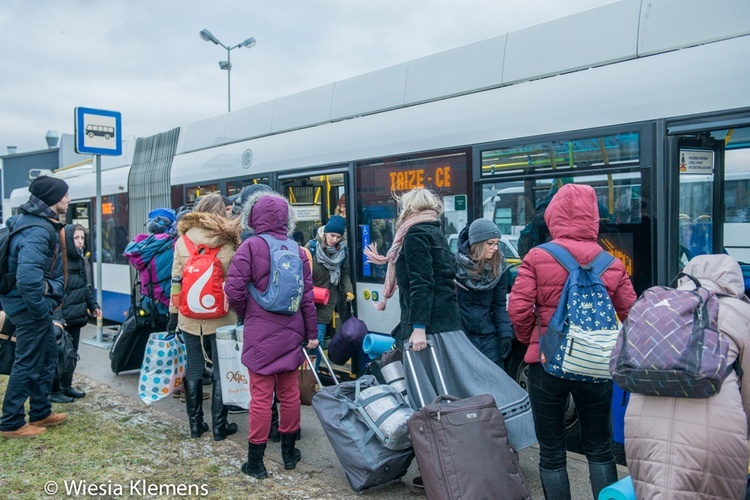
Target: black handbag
7	344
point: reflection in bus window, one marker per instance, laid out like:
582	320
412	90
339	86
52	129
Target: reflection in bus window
610	164
377	183
114	228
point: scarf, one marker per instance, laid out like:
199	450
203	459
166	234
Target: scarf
467	276
371	252
331	258
35	206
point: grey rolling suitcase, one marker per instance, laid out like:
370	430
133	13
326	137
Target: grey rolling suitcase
462	447
365	460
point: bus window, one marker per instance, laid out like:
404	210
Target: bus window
609	164
377	183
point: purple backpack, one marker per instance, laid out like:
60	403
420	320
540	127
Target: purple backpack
670	344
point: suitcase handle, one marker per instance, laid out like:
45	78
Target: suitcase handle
322	355
407	354
445	397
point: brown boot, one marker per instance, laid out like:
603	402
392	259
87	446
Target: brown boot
52	419
27	431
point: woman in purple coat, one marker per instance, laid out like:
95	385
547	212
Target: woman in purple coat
272	342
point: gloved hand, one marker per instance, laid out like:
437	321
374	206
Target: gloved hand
172	325
349	296
506	346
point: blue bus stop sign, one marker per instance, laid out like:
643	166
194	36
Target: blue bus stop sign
98	132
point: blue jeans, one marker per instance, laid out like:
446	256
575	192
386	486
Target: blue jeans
321	337
32	372
549	396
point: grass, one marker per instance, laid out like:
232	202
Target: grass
114	447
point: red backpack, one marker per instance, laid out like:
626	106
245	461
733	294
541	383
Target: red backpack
202	295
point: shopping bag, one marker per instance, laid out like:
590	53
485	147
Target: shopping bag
235	380
163	366
307	384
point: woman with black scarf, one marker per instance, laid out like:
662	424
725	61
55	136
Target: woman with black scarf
481	283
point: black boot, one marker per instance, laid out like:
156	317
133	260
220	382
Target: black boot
219	411
59	397
289	454
66	387
194	405
602	474
273	435
555	484
254	465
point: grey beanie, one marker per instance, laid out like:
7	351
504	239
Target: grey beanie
482	230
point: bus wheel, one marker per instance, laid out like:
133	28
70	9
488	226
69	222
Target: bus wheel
91	135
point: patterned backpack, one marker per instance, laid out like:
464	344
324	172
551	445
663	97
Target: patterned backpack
584	327
283	294
202	295
670	344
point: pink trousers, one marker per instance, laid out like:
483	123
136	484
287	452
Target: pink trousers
262	388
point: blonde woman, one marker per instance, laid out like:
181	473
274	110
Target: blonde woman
422	266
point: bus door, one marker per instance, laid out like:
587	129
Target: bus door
713	169
315	197
515	181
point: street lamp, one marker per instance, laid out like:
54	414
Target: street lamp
227	65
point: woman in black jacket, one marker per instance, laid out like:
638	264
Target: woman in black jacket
79	299
482	288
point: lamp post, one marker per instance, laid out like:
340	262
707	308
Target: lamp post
227	65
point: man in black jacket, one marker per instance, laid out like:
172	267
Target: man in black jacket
36	261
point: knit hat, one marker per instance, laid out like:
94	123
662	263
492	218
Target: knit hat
482	230
251	190
336	224
48	189
160	220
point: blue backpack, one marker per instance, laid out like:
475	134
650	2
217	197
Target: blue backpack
286	284
584	327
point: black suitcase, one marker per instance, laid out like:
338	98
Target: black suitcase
462	446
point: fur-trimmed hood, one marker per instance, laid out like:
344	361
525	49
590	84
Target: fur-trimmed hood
216	228
247	209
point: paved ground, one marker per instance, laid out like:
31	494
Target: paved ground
317	455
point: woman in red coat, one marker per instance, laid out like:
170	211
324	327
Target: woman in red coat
573	219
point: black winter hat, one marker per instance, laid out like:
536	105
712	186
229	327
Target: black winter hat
48	189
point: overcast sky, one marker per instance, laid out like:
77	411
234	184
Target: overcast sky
147	60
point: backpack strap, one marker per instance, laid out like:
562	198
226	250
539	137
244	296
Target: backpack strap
196	249
598	265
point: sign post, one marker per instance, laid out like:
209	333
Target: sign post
98	132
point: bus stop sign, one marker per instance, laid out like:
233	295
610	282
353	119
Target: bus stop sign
98	132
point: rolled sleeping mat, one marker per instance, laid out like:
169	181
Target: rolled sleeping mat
621	490
227	332
321	295
394	375
375	345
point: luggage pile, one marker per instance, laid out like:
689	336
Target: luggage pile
461	445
